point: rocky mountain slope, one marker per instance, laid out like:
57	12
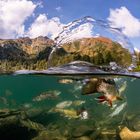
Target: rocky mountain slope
26	53
25	46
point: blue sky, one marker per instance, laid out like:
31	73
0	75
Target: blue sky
33	17
73	9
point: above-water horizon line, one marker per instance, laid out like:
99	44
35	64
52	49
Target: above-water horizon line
44	72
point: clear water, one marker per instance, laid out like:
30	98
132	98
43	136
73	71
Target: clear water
18	99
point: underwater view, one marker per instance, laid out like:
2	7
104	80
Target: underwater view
49	107
77	80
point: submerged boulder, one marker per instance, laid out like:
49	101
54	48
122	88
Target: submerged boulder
132	121
83	138
50	135
82	130
16	125
127	134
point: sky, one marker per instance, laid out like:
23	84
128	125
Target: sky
20	18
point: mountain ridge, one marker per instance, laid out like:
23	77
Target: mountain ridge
27	53
28	45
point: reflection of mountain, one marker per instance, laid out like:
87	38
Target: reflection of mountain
26	53
137	53
97	51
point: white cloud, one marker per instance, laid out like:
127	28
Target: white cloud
45	27
122	18
82	31
13	14
58	8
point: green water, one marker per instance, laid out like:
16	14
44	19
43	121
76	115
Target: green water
18	92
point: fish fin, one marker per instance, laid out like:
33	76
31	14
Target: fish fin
110	103
101	101
101	98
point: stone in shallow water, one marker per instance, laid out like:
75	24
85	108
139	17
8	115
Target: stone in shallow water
126	134
106	134
12	127
82	130
48	135
132	121
52	127
95	134
136	122
137	126
82	138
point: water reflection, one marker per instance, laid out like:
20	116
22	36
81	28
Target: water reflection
97	46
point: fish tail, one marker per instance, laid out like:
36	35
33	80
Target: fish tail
102	99
110	103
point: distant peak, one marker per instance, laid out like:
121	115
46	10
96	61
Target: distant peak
42	37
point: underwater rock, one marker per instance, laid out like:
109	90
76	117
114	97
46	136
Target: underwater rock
32	125
83	138
48	135
136	125
106	134
10	120
52	127
82	130
61	126
19	118
6	113
95	134
126	134
15	123
11	128
132	121
136	122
